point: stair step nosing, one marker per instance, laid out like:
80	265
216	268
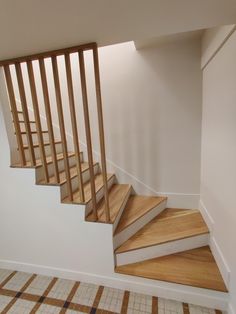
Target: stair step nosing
161	242
42	182
143	214
161	250
86	202
124	201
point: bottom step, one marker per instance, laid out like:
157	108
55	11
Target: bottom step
195	268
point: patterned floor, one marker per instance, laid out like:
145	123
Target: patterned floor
23	293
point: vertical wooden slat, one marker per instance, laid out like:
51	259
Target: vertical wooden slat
25	113
101	131
37	118
88	132
15	114
62	126
74	124
49	118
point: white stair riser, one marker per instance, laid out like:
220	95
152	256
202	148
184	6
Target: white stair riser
61	167
115	224
47	151
35	138
75	181
125	234
164	249
99	195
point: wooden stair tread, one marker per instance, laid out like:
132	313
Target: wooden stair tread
33	132
87	190
117	196
39	162
23	121
172	224
195	268
62	174
45	144
136	207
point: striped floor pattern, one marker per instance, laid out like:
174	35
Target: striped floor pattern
24	293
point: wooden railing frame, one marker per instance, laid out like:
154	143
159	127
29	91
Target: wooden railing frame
74	124
49	119
14	110
25	113
88	132
53	57
37	118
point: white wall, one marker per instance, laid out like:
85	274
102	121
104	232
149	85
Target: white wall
152	115
218	175
152	112
40	235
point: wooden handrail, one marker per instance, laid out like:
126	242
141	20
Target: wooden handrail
88	132
74	124
48	54
49	118
25	113
62	126
15	114
37	118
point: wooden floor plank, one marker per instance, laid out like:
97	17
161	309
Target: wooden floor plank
117	196
171	224
195	268
136	207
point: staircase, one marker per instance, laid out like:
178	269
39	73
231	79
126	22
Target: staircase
150	240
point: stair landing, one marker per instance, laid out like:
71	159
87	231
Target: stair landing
195	268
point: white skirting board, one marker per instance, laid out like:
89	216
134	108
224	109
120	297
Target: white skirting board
187	294
216	251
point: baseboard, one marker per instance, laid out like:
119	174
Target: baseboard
201	297
215	248
231	309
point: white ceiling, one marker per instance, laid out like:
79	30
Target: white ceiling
31	26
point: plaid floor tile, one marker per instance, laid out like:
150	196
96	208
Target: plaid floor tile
23	293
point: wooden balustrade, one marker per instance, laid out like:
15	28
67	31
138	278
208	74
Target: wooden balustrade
61	106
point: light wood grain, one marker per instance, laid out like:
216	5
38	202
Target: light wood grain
87	191
74	123
45	144
48	117
101	131
61	124
88	131
13	105
62	175
117	196
195	268
25	111
39	162
170	225
136	207
37	118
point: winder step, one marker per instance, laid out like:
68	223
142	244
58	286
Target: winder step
195	268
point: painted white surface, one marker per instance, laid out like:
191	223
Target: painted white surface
218	175
39	234
28	26
212	40
152	117
163	249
